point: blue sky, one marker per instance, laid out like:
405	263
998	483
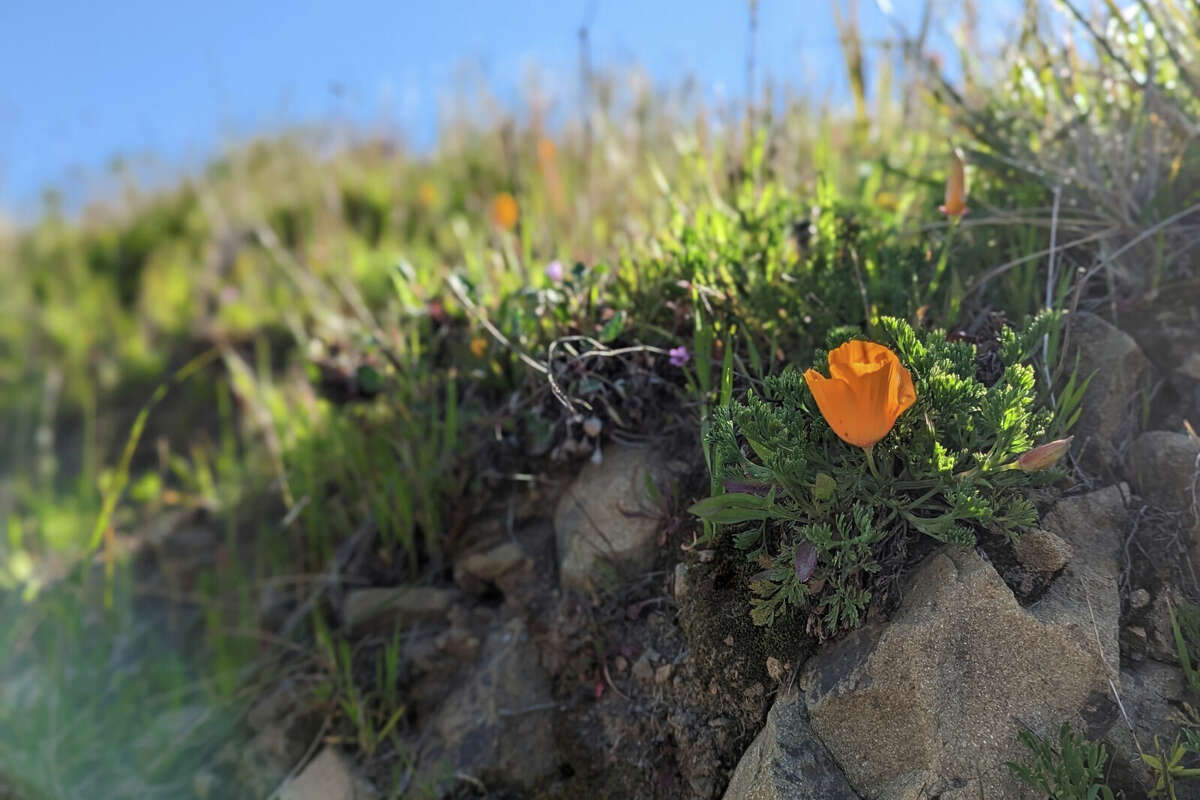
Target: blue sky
85	81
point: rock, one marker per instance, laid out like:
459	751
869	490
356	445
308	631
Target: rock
696	752
1168	328
477	571
642	669
776	669
273	707
931	700
1165	468
1161	634
1042	551
1139	598
786	761
1109	412
1150	694
606	519
662	675
387	607
327	777
497	727
681	584
458	642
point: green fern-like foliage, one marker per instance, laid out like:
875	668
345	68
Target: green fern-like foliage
814	511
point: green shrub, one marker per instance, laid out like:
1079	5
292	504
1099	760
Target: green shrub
1075	771
815	512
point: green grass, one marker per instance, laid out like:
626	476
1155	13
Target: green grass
377	354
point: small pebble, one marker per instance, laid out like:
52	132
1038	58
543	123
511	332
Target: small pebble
1140	598
729	640
663	674
620	664
775	668
592	426
642	669
681	584
706	556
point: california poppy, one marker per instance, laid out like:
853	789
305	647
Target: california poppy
956	187
867	390
504	210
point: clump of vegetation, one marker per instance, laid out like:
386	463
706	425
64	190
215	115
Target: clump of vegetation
1072	771
819	480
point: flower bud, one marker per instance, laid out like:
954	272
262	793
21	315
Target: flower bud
1045	456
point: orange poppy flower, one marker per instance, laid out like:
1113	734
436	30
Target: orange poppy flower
504	210
867	390
956	187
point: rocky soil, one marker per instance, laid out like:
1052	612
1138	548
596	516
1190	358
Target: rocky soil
585	645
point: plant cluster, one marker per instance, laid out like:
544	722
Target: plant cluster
1073	771
816	512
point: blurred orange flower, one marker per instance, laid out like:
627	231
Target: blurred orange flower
504	211
868	389
478	346
427	194
956	187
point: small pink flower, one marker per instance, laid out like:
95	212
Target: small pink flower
554	271
678	356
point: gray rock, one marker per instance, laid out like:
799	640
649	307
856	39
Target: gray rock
476	571
930	701
273	707
497	727
643	670
1150	694
1167	330
786	761
681	582
1112	402
1165	468
386	607
607	518
327	777
1042	551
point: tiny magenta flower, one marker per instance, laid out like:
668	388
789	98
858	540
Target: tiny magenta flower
1045	456
554	270
504	211
956	187
678	356
866	391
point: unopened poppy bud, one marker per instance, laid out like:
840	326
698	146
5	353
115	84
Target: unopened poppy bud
1045	456
956	187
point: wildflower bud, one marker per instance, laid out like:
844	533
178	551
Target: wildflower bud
956	188
1045	456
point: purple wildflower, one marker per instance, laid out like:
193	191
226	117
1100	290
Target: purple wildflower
554	270
678	356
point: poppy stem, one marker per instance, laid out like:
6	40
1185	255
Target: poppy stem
870	451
